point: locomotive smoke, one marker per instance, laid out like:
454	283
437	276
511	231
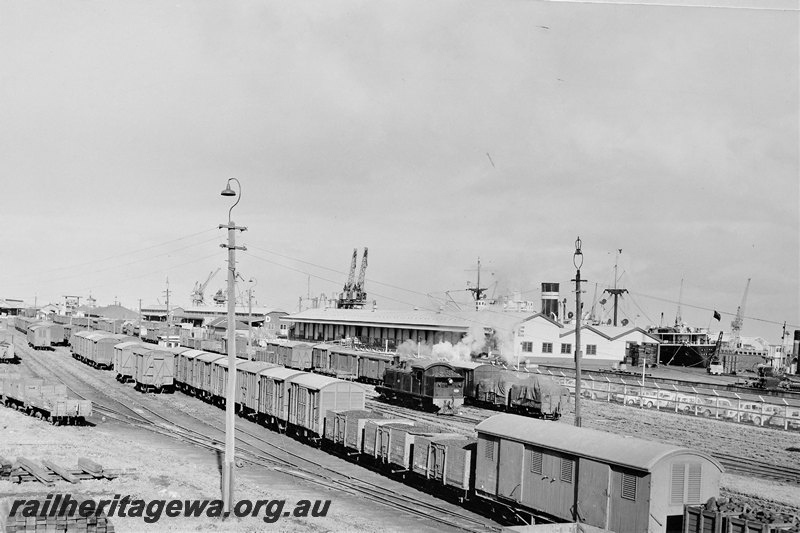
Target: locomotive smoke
474	342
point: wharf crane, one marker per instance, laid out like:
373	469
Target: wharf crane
353	295
738	320
198	294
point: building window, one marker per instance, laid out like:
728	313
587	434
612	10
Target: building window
591	349
527	346
536	462
547	347
629	486
566	348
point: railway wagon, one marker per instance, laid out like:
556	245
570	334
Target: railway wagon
292	354
219	380
396	443
124	361
201	373
184	366
445	461
371	442
273	395
101	348
526	394
372	366
7	353
349	428
473	372
248	376
155	370
343	362
425	384
267	354
312	395
623	484
321	358
39	337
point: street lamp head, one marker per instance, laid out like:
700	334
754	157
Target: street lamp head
577	258
228	191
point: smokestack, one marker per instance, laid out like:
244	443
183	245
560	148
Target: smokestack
550	299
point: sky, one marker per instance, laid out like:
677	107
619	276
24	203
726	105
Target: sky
433	133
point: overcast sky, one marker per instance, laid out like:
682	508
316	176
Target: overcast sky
432	132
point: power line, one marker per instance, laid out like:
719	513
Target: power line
684	304
124	254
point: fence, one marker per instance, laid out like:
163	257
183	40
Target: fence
700	400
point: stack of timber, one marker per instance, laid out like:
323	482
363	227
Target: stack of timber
56	520
25	470
735	515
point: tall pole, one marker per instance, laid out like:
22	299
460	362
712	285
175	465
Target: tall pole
230	400
577	260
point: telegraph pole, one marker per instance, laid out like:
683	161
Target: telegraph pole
230	401
577	260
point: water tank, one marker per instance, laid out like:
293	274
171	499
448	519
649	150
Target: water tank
550	299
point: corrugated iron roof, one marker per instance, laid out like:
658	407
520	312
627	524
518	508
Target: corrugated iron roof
584	442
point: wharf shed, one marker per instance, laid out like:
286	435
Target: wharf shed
619	483
378	328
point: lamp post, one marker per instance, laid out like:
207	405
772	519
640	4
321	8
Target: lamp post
577	260
230	401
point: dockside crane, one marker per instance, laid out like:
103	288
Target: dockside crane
198	294
353	295
738	320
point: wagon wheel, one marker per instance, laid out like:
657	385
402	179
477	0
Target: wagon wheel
757	420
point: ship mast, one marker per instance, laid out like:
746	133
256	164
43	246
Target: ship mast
615	292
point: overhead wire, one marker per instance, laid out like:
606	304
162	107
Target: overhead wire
130	252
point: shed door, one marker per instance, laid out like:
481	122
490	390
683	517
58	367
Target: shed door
509	482
593	493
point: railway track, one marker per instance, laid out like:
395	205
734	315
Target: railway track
132	412
250	446
760	469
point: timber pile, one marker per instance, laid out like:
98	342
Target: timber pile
736	515
25	470
52	521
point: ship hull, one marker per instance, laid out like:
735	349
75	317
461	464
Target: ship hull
694	355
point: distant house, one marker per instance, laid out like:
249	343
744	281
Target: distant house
44	312
11	307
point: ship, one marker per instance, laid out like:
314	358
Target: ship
682	345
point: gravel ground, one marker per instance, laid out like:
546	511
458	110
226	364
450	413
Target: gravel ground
158	468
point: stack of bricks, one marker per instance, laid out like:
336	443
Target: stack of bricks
52	522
